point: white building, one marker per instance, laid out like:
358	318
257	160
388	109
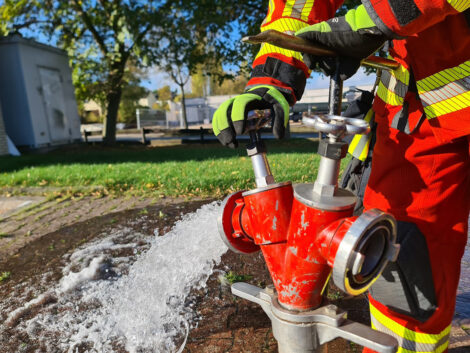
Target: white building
37	95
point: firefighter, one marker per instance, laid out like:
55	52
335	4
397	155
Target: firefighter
421	165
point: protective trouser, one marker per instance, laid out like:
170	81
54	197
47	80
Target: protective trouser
425	184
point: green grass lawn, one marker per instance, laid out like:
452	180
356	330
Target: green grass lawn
186	170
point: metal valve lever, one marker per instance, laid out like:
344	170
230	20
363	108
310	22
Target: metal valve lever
304	332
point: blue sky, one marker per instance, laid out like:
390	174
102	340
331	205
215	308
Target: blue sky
159	79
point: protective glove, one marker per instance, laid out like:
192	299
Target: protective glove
230	118
353	36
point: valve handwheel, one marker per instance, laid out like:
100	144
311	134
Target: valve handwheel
337	125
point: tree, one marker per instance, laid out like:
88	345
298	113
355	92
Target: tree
164	95
198	82
16	15
131	94
180	54
100	38
234	85
203	36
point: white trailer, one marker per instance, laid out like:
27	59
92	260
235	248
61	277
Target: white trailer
37	94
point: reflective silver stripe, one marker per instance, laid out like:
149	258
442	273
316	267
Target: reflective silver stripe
400	120
359	149
297	8
394	85
360	144
408	344
444	92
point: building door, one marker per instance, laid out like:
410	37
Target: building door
54	103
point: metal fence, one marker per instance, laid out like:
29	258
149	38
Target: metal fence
151	117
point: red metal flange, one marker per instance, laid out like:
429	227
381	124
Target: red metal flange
231	232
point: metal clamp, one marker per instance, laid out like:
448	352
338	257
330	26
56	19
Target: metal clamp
337	125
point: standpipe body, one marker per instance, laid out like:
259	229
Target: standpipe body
301	229
306	233
298	254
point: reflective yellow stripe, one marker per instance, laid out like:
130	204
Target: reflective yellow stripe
270	12
407	346
269	49
288	25
362	154
359	146
447	106
402	74
285	25
437	350
388	96
394	85
306	10
445	91
407	333
288	8
459	5
443	77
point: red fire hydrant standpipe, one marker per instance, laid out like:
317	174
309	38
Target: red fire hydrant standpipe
307	233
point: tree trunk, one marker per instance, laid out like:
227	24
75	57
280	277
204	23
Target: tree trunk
183	107
113	100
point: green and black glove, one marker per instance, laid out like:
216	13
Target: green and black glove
230	118
353	36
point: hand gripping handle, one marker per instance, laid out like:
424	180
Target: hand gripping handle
256	119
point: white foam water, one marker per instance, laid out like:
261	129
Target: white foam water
104	302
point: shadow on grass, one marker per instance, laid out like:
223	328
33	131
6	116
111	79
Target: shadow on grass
124	153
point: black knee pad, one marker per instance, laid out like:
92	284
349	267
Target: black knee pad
406	286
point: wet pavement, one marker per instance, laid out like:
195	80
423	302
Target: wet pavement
47	235
462	309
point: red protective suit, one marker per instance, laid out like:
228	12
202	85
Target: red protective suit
422	175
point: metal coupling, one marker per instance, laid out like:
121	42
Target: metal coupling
306	331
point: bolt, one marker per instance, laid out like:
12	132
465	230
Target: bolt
331	309
269	289
237	234
264	180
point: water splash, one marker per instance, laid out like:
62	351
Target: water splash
106	302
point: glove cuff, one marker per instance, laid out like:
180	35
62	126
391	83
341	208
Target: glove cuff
288	79
378	21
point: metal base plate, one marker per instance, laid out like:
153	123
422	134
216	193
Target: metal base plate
305	332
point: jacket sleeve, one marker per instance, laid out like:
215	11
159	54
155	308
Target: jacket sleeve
283	68
402	18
